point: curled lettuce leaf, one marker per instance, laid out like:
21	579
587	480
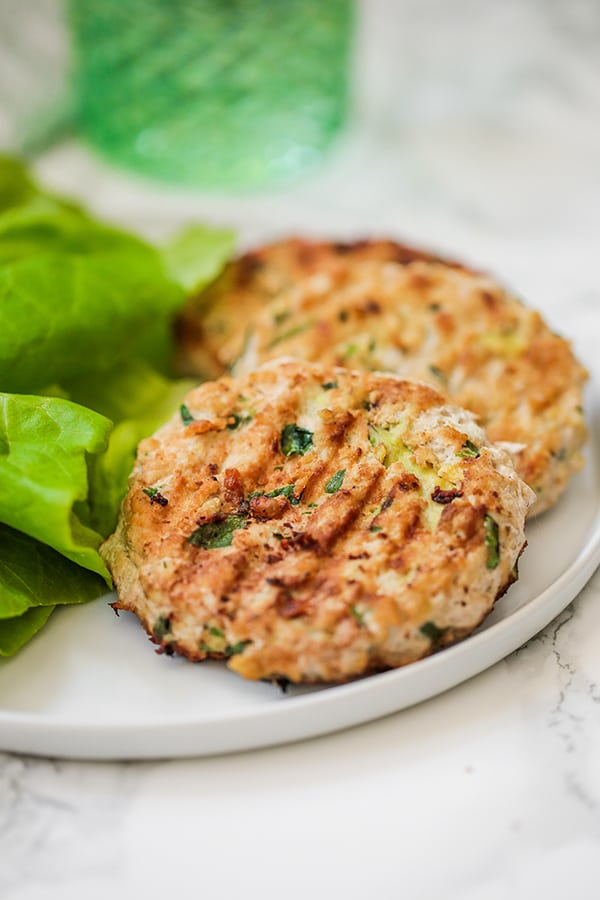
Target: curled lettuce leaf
86	316
16	632
77	296
45	445
195	256
33	580
138	400
131	390
82	298
16	185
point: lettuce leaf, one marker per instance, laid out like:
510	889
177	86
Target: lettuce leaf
35	575
131	390
195	256
45	444
33	580
85	315
15	633
77	295
16	186
139	400
82	298
45	226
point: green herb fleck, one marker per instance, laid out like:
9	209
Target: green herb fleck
357	615
162	627
432	631
492	541
238	419
155	496
287	491
329	385
290	333
234	649
312	505
278	535
350	350
280	317
216	632
437	372
335	482
295	440
226	651
186	416
212	535
375	528
469	450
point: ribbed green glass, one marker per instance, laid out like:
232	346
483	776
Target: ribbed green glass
219	93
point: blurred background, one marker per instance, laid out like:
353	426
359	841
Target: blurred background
468	125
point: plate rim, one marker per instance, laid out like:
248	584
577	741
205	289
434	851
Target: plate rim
96	739
42	734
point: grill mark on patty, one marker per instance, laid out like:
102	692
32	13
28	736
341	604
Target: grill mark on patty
283	590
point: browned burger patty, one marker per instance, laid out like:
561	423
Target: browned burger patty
417	317
316	524
214	325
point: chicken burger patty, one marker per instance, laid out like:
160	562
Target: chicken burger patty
423	318
214	325
315	524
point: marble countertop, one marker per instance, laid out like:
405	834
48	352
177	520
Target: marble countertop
478	132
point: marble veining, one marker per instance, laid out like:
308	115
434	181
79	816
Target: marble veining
569	726
54	818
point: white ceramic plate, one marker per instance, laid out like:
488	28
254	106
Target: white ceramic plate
91	687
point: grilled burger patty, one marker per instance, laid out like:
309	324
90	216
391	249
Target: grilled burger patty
417	317
316	523
214	325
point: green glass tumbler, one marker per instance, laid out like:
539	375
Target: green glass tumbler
223	94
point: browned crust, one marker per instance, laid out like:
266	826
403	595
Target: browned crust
387	307
327	578
211	329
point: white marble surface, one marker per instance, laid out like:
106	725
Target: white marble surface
478	132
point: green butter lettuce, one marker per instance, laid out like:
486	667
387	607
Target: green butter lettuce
59	269
19	192
15	633
76	295
79	300
86	314
195	256
45	444
131	390
33	580
138	400
16	186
